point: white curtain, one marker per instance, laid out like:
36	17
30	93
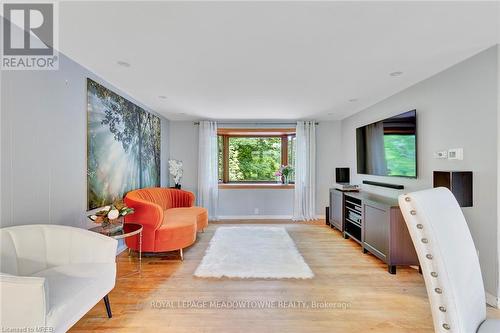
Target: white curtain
208	180
304	207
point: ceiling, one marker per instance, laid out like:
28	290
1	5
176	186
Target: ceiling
271	60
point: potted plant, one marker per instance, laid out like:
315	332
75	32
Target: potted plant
284	172
112	214
175	168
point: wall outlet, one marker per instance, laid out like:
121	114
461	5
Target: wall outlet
456	154
256	211
441	154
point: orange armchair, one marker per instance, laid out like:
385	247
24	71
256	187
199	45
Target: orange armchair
169	220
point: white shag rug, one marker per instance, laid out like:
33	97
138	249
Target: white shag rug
253	252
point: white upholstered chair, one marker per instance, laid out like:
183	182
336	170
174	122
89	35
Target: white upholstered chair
51	275
449	261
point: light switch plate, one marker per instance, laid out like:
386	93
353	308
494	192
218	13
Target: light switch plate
456	154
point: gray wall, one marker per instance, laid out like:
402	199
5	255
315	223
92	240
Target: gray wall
44	148
328	157
498	167
272	203
455	108
183	145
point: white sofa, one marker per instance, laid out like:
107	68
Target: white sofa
52	275
449	261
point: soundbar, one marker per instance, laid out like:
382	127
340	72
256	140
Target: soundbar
394	186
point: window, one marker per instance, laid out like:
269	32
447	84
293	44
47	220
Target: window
254	155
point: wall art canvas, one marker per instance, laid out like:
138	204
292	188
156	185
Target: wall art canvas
123	146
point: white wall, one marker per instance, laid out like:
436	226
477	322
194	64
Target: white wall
43	145
455	108
328	157
183	145
271	203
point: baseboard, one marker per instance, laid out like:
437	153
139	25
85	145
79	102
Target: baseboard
262	217
492	300
256	217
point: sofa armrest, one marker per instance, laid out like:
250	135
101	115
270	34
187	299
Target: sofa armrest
147	213
24	302
92	247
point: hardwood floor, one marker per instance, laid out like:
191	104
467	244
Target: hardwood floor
361	295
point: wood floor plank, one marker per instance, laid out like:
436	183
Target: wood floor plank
359	293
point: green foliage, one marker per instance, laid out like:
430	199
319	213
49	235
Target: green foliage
254	159
400	155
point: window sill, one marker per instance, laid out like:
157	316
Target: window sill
240	186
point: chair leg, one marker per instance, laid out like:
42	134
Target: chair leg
182	255
108	307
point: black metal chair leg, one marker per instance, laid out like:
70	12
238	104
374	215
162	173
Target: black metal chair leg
108	307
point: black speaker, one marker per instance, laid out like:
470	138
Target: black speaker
342	175
327	215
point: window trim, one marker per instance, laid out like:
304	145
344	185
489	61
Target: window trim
255	132
227	133
264	186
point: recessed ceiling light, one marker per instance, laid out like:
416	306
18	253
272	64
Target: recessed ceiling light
396	73
353	100
123	63
162	97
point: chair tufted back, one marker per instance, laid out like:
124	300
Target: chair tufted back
28	249
166	198
449	260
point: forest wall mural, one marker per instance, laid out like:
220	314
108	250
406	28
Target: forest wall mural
123	146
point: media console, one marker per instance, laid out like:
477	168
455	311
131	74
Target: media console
376	223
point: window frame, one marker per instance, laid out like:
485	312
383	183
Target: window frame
227	133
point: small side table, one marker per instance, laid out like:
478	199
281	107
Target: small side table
129	230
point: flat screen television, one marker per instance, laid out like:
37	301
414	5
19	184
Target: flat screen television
388	147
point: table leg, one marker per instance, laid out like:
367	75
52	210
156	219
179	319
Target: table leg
140	251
